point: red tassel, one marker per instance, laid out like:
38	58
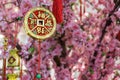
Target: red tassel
57	10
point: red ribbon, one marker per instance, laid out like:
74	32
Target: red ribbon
57	10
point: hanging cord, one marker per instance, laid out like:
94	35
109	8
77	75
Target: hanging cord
4	59
39	59
21	70
39	54
4	69
15	41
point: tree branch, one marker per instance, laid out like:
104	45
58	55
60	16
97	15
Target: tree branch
108	23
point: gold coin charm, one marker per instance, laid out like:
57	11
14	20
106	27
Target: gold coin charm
39	23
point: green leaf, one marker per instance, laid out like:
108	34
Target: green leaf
18	68
116	73
70	46
103	53
31	50
71	5
91	70
19	18
51	48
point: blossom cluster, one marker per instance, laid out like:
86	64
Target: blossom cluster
79	50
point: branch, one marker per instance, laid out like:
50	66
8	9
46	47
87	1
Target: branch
108	22
14	20
62	43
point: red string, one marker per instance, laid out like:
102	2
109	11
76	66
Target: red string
39	45
57	10
39	58
21	71
4	69
16	30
